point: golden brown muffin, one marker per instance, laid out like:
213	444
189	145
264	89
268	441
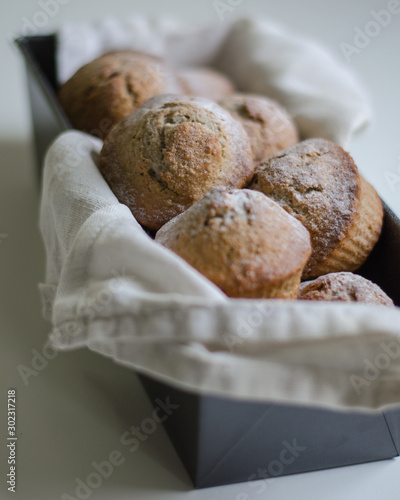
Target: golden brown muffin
205	82
243	242
169	152
318	183
345	287
102	92
268	125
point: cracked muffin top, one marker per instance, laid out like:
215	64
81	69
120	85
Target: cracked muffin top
318	183
268	125
168	153
105	90
344	287
242	241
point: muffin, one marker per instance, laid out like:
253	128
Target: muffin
317	182
102	92
205	82
243	242
345	287
268	125
169	152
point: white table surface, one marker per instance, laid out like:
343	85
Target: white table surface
74	410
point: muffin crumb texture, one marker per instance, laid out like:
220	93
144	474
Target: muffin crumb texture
317	182
170	152
243	242
205	82
344	287
109	88
268	126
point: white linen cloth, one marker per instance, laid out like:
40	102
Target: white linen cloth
110	287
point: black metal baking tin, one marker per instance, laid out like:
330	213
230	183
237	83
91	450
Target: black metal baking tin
221	440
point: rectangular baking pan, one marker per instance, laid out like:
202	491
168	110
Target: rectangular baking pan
221	440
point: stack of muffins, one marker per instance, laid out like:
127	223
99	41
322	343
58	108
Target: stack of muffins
220	178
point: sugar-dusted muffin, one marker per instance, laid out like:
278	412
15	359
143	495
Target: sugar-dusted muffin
205	82
318	183
169	152
243	242
345	287
105	90
268	125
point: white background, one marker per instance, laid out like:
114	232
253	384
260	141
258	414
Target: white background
74	410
